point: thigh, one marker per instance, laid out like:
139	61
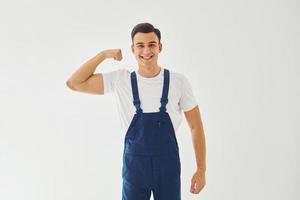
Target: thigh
131	191
137	170
167	178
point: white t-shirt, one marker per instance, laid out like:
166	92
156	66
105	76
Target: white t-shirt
180	97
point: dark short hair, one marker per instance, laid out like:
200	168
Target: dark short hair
145	28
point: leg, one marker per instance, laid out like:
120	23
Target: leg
167	172
137	177
133	192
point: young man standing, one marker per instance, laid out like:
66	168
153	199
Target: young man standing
151	101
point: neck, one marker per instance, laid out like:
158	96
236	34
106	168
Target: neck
149	72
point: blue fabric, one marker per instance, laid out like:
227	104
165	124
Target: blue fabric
151	155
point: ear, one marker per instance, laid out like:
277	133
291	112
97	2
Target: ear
160	47
132	49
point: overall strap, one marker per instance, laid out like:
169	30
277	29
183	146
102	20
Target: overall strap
135	93
164	97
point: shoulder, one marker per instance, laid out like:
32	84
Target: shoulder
123	73
177	77
113	79
117	74
180	81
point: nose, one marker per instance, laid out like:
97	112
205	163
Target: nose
146	50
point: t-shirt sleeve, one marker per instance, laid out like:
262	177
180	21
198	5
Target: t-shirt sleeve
110	80
187	99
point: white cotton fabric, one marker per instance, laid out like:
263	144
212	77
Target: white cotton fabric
180	97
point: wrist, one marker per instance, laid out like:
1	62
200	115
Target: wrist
201	169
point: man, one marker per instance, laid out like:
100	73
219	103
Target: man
151	101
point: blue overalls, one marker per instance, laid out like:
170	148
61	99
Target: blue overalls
151	155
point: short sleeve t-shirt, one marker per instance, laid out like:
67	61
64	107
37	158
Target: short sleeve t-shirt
180	97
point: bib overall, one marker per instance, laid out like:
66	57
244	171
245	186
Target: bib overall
151	154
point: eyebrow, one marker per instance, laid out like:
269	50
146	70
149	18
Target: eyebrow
151	42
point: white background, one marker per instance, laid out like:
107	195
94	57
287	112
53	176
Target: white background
241	58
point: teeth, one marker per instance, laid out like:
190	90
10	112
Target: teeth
146	57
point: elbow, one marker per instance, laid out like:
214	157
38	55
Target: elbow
70	85
196	127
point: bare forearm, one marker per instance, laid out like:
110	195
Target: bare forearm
87	69
198	139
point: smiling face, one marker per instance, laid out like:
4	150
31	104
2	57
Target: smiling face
146	47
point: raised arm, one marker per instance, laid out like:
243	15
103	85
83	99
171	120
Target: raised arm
85	80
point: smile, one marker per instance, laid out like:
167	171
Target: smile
146	58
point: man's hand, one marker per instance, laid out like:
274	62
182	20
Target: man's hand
198	181
116	54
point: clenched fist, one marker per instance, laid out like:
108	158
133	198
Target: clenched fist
116	54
